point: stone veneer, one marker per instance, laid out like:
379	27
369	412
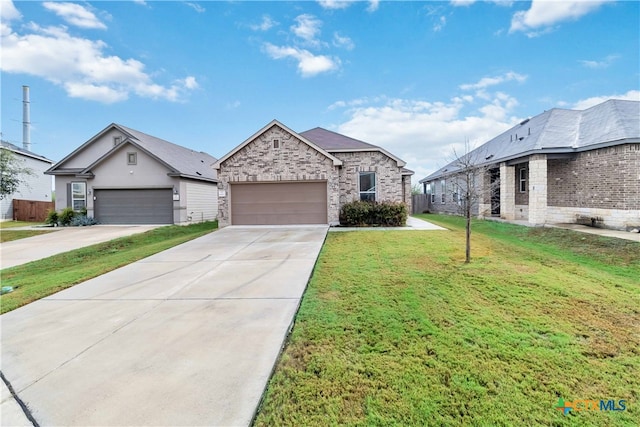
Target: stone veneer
294	160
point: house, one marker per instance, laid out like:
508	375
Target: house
562	166
37	187
279	176
123	176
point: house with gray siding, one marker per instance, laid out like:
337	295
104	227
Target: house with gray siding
278	176
124	176
561	166
37	187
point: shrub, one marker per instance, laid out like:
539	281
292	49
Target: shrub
52	217
66	216
82	220
385	214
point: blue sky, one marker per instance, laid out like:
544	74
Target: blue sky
418	77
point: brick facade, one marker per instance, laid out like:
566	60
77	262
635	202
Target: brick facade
607	178
295	160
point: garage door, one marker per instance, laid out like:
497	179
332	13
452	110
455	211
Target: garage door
139	206
279	203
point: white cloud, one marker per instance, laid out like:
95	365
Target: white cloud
81	66
307	28
75	14
486	82
266	24
343	41
440	23
308	63
604	63
544	14
632	95
343	4
8	11
373	5
196	7
425	133
463	3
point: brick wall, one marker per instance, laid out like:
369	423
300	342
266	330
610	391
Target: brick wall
608	178
389	185
292	161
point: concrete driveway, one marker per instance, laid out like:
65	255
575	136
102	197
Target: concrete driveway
63	239
186	337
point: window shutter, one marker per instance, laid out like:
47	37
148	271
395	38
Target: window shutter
68	194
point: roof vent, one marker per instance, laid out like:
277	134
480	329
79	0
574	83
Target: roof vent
524	121
490	156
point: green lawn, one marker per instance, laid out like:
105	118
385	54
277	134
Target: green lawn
394	329
7	234
39	279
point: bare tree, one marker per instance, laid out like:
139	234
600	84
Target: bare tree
471	186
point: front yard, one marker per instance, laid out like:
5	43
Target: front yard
395	330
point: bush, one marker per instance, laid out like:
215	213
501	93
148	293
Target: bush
52	217
66	216
362	214
82	220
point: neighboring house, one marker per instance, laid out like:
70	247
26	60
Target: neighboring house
562	166
36	187
123	176
278	176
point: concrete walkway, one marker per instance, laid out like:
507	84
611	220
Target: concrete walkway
413	224
63	239
187	337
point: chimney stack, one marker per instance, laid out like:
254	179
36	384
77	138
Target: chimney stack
26	121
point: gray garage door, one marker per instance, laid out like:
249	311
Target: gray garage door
143	206
279	203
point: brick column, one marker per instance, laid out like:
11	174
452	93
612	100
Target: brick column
507	192
538	189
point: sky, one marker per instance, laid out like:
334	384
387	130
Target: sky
418	78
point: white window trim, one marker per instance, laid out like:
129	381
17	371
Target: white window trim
523	180
375	185
73	198
135	158
443	188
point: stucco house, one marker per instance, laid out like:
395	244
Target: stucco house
123	176
278	176
561	166
37	186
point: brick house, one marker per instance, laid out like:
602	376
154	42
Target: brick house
562	166
278	176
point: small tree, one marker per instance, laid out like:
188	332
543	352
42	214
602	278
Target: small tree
13	173
468	189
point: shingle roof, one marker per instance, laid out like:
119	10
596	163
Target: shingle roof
16	149
560	131
329	140
183	160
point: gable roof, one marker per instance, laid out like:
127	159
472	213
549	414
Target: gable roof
11	147
612	122
335	160
334	142
182	161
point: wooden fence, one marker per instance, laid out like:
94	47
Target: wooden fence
31	210
419	203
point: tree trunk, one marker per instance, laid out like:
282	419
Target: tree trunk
467	259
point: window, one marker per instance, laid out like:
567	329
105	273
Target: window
368	186
276	143
132	158
78	195
523	180
117	140
443	188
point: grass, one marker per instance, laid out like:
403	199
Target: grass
7	235
39	279
394	329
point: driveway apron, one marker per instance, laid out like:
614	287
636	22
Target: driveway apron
186	337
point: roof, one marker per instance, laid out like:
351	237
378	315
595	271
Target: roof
334	142
612	122
182	161
335	160
27	153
